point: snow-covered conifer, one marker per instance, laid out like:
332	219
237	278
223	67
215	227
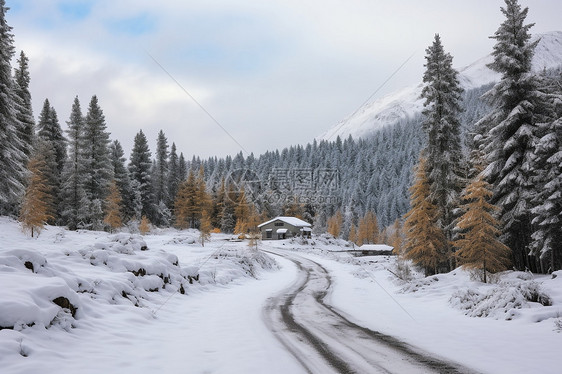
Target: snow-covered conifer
442	94
122	179
511	131
12	167
139	171
97	157
74	198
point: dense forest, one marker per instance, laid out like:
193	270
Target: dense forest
508	135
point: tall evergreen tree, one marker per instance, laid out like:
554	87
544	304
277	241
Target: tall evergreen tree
139	169
547	210
12	167
173	175
160	177
50	132
98	162
122	179
442	94
182	168
512	132
74	199
24	109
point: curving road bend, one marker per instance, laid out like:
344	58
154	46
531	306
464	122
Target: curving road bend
324	341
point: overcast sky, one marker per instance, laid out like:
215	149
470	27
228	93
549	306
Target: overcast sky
272	73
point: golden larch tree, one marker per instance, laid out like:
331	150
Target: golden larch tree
205	227
395	238
180	206
368	231
144	226
425	241
36	207
335	223
113	207
242	213
478	244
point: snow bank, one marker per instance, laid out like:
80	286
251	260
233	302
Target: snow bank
69	279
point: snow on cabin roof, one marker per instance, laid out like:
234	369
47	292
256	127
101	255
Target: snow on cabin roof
294	221
376	247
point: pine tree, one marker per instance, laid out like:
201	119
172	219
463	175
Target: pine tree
173	175
547	210
511	131
160	176
182	168
424	238
12	166
218	202
442	94
121	177
97	159
113	208
36	208
50	132
139	169
74	200
478	244
228	217
24	109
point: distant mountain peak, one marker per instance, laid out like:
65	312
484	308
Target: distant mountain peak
406	103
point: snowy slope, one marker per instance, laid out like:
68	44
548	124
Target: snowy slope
129	322
405	103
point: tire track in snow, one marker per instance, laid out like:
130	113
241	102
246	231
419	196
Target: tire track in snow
324	341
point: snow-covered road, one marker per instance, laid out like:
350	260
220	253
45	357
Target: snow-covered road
324	341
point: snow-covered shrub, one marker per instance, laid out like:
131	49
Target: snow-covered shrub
418	284
401	269
558	324
501	301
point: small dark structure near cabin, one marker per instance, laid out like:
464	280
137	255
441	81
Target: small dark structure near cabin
371	250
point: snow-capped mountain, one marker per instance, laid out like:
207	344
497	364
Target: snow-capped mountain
406	102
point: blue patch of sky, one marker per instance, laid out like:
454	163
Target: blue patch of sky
75	10
15	6
134	26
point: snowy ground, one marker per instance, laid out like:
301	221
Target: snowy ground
130	316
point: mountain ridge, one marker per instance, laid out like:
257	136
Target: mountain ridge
406	103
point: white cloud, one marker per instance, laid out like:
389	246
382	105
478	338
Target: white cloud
266	70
